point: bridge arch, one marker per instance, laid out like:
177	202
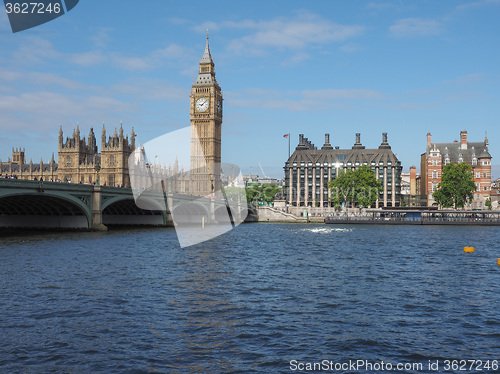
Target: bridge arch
44	210
190	213
123	210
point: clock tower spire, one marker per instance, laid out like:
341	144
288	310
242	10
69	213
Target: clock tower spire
206	123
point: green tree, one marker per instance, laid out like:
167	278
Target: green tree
235	194
262	194
488	204
359	187
456	187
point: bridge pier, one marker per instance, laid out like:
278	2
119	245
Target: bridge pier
97	224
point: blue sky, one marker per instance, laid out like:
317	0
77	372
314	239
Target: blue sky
338	67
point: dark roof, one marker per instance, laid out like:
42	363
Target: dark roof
306	152
454	151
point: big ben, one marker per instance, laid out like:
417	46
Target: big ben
206	122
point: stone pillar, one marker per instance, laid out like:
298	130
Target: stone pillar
329	180
298	187
290	190
96	210
306	187
322	191
385	186
314	187
377	201
393	185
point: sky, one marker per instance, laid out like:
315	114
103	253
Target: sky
338	67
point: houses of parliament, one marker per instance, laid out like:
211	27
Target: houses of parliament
79	159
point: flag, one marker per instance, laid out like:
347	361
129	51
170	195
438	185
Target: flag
286	135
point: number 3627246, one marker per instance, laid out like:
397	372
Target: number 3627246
30	8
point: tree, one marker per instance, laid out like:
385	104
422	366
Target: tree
488	204
262	194
234	194
359	187
456	187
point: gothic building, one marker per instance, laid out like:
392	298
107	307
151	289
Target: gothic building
79	160
206	123
309	169
438	155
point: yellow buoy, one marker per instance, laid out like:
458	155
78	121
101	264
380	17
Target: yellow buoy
468	249
498	261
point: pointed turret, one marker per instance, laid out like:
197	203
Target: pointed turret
60	136
206	58
132	138
206	74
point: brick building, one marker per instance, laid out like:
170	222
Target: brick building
438	155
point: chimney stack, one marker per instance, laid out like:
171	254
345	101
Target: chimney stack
428	139
463	139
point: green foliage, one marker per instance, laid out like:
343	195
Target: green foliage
456	187
488	204
236	194
262	194
359	187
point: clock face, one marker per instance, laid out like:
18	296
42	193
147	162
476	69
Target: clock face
201	104
219	106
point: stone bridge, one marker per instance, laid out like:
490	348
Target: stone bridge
35	204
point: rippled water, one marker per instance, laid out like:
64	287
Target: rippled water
250	301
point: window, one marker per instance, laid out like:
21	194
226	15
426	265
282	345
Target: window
68	161
111	180
434	187
485	175
434	162
111	160
478	174
485	188
434	174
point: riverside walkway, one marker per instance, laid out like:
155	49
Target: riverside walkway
416	217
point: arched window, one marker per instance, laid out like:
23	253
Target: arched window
68	160
111	160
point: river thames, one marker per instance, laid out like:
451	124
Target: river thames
263	298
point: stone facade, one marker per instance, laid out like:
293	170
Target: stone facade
206	124
308	171
79	160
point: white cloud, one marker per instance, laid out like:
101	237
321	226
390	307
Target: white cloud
467	79
305	100
477	4
414	27
43	79
351	48
87	58
293	34
102	37
35	50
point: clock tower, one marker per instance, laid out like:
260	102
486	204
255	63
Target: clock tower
206	122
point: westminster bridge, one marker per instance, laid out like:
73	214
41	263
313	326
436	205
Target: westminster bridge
36	204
